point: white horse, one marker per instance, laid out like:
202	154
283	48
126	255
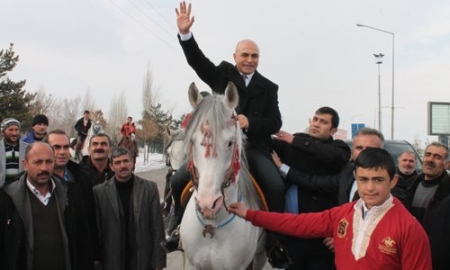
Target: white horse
210	236
175	158
96	128
174	148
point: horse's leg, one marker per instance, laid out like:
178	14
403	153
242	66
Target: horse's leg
260	259
167	199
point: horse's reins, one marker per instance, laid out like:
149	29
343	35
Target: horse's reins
233	169
230	174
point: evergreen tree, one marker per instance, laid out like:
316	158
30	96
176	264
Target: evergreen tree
14	101
153	121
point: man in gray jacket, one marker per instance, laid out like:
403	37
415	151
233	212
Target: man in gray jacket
12	151
129	218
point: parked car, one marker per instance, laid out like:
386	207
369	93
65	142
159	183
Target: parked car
395	148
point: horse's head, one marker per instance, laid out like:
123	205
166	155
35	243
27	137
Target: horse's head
174	147
97	128
215	142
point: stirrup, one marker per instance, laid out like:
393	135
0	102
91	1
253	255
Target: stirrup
279	257
172	243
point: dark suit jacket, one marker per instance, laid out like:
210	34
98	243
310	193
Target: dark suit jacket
258	101
311	157
79	126
16	225
145	216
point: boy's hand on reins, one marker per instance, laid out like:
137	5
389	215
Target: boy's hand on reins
239	209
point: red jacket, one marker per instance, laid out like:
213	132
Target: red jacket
127	129
395	240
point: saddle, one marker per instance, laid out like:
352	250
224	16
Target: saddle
189	189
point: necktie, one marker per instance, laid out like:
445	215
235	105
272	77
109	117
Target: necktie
245	77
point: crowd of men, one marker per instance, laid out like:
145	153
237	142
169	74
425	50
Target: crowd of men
57	214
346	208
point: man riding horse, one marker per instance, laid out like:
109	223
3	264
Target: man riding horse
128	132
128	128
82	127
258	113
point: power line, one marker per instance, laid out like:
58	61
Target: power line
151	19
143	25
160	14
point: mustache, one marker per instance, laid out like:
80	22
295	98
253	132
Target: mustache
99	151
431	164
45	173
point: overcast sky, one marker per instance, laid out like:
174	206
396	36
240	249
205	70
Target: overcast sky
311	49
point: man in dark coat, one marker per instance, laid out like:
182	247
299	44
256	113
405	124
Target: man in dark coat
82	127
343	184
71	172
428	189
130	219
315	152
258	112
440	237
428	197
43	223
96	165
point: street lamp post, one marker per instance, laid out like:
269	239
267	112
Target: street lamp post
378	61
393	57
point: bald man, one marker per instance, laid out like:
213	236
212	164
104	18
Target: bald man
258	112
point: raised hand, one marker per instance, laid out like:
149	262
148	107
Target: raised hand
184	19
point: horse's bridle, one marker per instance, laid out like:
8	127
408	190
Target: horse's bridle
233	169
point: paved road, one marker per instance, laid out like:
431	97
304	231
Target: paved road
174	259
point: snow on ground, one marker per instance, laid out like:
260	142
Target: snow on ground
155	161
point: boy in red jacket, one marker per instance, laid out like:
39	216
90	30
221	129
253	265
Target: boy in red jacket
375	232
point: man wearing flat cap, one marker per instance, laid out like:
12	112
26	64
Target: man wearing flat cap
39	130
12	151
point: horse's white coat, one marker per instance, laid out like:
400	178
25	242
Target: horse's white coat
237	243
95	129
175	150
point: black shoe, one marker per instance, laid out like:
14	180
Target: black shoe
172	243
279	257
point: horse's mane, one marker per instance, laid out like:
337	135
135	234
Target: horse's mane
176	135
219	117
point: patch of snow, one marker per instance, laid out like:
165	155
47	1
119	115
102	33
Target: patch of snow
155	161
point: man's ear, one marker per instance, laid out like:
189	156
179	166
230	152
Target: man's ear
25	164
394	181
333	131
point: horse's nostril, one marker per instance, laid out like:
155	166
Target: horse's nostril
215	202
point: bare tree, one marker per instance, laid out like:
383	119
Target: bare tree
88	101
117	114
42	103
148	95
64	113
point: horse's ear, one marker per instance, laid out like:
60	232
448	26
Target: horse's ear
231	98
167	130
194	95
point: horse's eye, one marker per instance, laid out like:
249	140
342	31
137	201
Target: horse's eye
230	143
